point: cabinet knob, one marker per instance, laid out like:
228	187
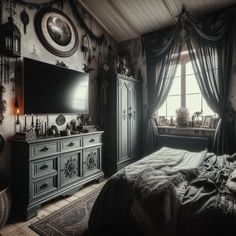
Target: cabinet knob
71	144
91	140
44	186
43	167
124	115
134	115
44	149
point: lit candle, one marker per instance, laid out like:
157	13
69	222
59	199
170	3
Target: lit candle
17	116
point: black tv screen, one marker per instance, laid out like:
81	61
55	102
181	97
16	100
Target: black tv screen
54	89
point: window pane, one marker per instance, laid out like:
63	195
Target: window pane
176	86
189	68
173	103
191	84
178	70
193	103
162	110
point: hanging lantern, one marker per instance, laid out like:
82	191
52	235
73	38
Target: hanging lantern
10	39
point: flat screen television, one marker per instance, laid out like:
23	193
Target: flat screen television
51	89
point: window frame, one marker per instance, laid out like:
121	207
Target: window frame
184	59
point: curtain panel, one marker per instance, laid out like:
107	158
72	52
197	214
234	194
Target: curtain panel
163	51
209	41
210	45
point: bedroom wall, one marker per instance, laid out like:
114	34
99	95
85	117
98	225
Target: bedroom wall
32	48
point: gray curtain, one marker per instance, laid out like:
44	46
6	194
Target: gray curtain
210	48
163	50
209	41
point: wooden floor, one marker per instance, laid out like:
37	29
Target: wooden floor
18	228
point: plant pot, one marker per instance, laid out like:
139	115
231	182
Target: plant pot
5	202
181	121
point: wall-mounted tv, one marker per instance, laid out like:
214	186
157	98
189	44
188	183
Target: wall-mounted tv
50	89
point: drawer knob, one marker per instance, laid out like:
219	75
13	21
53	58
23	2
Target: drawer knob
44	186
44	149
71	144
91	140
43	167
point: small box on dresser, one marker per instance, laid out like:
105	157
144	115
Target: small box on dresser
43	169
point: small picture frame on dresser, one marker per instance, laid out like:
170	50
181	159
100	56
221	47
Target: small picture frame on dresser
207	122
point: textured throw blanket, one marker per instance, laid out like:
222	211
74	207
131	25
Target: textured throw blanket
208	207
144	198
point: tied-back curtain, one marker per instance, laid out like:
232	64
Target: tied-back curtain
210	49
209	41
162	52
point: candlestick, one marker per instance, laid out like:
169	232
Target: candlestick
45	128
47	121
17	116
32	122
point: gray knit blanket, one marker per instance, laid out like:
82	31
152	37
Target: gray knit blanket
144	197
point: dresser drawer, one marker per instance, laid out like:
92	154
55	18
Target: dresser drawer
44	186
44	167
71	144
44	149
91	140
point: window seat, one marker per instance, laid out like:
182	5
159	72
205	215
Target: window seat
192	139
186	131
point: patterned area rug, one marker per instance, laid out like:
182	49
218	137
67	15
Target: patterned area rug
70	220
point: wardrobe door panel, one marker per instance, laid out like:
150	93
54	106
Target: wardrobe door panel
134	117
123	127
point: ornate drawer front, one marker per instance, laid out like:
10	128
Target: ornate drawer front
91	160
91	140
44	149
71	144
70	167
44	167
44	186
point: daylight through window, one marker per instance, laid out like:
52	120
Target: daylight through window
184	92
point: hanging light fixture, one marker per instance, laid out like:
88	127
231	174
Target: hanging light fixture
10	36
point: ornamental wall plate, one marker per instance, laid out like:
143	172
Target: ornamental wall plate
60	120
56	32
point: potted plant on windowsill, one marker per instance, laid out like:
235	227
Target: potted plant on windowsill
182	117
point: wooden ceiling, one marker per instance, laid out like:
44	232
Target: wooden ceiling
127	19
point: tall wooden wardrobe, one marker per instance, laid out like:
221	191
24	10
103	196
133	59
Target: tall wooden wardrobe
122	136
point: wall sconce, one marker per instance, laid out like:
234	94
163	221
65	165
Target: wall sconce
10	36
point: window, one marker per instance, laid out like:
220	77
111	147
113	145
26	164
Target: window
184	92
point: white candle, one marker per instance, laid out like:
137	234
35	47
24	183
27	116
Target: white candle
25	121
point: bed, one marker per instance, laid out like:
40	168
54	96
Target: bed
170	192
